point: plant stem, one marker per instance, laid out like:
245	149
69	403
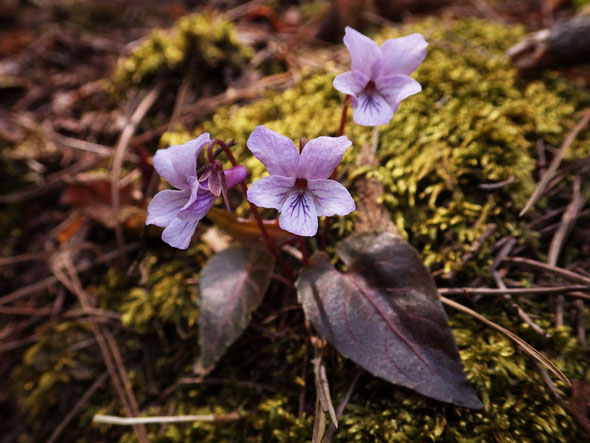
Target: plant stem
303	247
345	104
270	244
327	221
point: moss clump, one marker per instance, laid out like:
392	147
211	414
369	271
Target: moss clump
201	48
162	296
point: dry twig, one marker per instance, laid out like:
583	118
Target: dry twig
567	222
524	346
560	272
570	290
519	311
144	106
133	421
76	409
106	343
49	183
555	162
50	281
332	429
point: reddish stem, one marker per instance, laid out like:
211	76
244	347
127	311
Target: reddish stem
270	244
345	104
327	221
303	247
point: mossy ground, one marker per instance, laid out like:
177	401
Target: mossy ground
201	48
475	122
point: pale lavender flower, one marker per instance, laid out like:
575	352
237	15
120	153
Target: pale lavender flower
298	184
378	80
180	210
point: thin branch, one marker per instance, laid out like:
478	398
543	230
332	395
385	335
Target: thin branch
131	421
567	223
5	347
524	346
549	383
497	185
302	393
555	163
332	429
31	256
225	382
183	90
49	183
207	105
478	243
560	272
108	347
50	281
68	142
18	310
322	385
328	220
581	323
144	106
483	7
114	348
76	409
519	311
504	251
570	290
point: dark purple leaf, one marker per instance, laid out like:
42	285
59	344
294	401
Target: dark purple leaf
232	285
385	315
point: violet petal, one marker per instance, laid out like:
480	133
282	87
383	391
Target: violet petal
277	152
331	198
351	82
299	215
165	205
365	54
179	232
321	155
177	163
198	207
271	191
403	55
371	110
235	175
395	88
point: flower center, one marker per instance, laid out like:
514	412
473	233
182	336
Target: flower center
370	87
301	184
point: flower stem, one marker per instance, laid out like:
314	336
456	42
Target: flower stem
270	244
345	104
326	227
303	247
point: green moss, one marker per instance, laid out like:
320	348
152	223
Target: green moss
475	122
164	296
200	48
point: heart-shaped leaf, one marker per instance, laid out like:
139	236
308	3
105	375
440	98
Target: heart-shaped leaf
232	285
385	315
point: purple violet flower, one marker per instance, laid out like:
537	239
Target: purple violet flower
298	184
378	80
180	210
